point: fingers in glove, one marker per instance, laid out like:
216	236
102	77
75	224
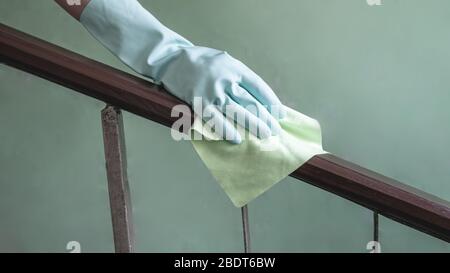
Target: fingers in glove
246	118
262	92
243	98
215	120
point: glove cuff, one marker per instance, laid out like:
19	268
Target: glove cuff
133	34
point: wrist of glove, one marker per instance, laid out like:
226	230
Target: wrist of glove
223	84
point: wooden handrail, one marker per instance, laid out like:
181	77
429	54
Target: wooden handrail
381	194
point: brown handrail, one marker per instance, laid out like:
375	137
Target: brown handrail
381	194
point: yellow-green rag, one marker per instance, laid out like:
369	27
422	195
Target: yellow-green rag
247	170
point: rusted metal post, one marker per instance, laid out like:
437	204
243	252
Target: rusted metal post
376	235
246	229
116	169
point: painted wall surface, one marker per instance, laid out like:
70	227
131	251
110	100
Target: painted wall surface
376	77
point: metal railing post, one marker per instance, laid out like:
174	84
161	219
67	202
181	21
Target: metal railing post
246	229
376	233
116	168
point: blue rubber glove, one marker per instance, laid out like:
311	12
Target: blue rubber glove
185	70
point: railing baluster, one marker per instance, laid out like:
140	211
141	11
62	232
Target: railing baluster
376	236
245	229
116	168
376	233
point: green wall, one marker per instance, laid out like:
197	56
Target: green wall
375	77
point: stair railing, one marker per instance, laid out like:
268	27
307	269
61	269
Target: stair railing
120	90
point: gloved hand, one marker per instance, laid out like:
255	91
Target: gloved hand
185	70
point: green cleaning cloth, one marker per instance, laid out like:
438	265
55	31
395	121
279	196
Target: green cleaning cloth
247	170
